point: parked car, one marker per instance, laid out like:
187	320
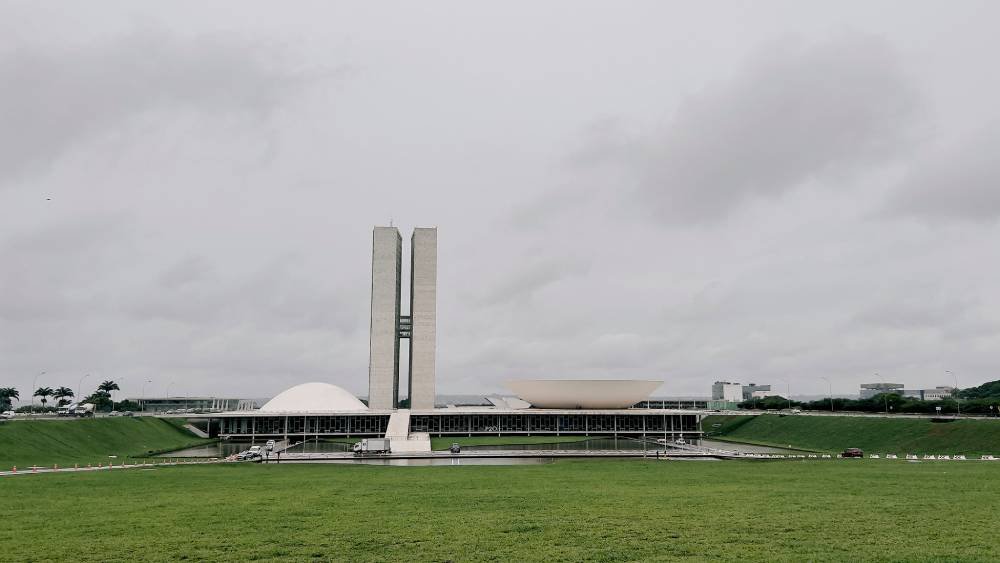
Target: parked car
455	448
7	415
852	452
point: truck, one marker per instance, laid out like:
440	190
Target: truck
76	409
369	446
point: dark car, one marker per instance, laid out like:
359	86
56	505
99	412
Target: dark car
455	448
853	452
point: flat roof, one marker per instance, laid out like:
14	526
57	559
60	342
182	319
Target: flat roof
466	410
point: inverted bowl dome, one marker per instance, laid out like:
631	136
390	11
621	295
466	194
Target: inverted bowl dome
583	393
313	397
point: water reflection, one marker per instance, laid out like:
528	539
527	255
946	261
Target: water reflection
581	445
453	461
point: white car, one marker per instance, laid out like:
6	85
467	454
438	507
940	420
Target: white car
7	415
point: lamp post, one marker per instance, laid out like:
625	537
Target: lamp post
33	383
111	395
144	393
830	385
958	399
885	394
79	387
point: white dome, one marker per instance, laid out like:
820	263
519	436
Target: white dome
314	397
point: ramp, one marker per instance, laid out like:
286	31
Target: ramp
399	425
195	430
398	433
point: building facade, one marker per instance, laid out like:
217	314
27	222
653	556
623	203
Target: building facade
389	324
755	391
726	391
383	357
869	390
423	317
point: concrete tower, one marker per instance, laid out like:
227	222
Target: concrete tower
388	325
383	358
423	316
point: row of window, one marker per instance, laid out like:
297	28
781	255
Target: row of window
462	423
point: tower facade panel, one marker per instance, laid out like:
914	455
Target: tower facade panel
423	314
383	358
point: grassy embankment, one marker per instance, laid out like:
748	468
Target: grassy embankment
876	435
809	510
46	442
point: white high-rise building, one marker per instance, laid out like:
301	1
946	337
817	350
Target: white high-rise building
383	357
389	325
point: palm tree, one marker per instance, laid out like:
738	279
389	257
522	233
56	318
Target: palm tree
106	388
44	393
61	393
6	394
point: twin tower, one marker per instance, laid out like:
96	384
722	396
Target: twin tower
388	324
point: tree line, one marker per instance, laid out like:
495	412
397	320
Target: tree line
101	398
984	399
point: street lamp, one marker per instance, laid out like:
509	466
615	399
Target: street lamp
33	383
885	394
958	399
79	387
111	394
831	391
144	393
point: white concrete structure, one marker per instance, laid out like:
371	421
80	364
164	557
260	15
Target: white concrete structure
726	391
400	438
314	397
383	358
583	393
423	317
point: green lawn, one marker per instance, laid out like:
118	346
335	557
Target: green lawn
877	435
45	442
606	510
445	442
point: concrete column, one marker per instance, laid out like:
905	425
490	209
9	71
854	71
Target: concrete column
423	314
383	358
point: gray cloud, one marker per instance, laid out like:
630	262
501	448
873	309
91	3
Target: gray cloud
958	182
795	113
212	193
56	98
526	280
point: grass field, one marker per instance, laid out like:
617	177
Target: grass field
833	434
45	442
838	510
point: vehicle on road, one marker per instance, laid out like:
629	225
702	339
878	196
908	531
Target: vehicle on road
369	446
852	452
7	415
80	410
455	448
269	446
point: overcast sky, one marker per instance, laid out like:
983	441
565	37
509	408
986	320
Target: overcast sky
753	191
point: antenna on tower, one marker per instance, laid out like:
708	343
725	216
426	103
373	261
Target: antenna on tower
390	222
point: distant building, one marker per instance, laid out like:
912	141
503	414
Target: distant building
755	391
726	391
162	404
937	393
869	390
